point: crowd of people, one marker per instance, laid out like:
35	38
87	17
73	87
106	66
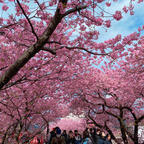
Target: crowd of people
57	136
89	136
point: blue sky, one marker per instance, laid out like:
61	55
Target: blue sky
125	26
128	24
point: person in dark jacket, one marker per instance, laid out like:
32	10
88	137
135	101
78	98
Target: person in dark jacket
64	134
58	139
86	138
108	139
51	135
101	139
93	135
97	135
71	138
77	137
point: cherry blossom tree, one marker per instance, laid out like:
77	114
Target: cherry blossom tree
45	45
113	98
20	112
32	32
71	123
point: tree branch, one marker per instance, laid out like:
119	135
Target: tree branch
38	4
84	49
3	68
33	31
49	50
32	50
78	8
103	127
7	26
130	110
51	42
141	118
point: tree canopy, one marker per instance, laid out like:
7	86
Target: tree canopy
49	53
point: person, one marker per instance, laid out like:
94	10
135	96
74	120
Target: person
98	132
50	136
64	134
77	137
108	139
86	138
71	138
86	129
101	139
58	139
93	135
97	135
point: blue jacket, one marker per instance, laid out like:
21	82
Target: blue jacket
87	141
107	142
101	141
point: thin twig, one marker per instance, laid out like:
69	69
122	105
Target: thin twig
33	31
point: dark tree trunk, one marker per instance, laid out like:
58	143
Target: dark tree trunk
32	50
111	133
122	127
136	132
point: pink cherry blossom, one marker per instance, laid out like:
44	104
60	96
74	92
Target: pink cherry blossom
5	7
52	64
117	15
99	1
140	1
125	9
108	23
108	4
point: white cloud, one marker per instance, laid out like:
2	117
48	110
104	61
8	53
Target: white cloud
126	25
